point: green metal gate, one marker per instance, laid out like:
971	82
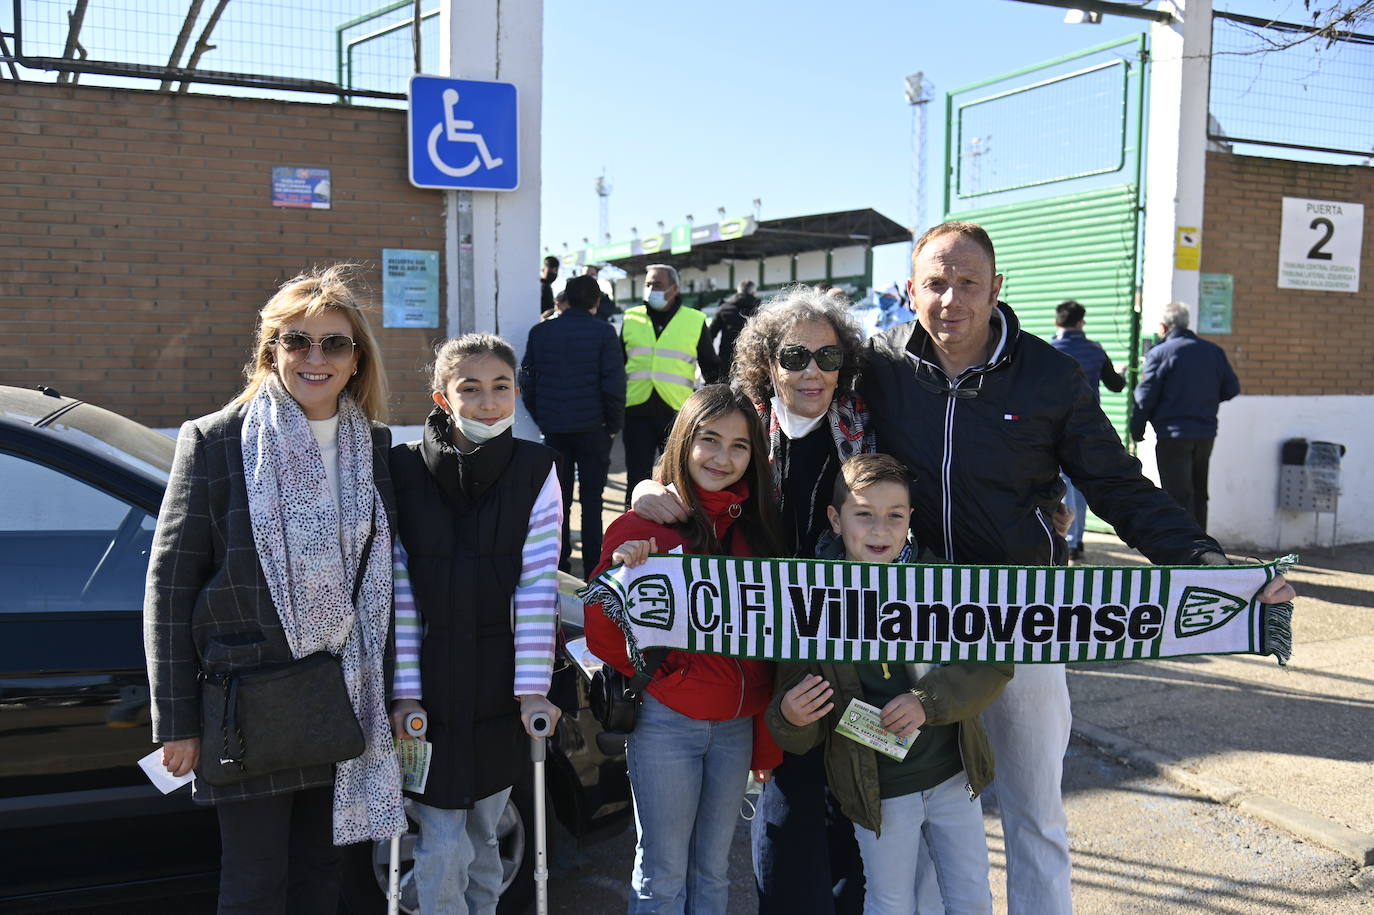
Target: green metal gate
1048	159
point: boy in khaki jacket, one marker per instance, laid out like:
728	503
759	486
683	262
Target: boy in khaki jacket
932	793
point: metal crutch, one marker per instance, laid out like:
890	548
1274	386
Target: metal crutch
540	729
416	725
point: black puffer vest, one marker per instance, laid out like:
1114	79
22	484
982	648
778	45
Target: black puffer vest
463	522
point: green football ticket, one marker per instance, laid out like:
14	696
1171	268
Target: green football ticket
863	722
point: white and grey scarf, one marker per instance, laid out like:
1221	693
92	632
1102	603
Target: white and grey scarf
309	545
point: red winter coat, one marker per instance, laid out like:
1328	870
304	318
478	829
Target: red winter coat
707	687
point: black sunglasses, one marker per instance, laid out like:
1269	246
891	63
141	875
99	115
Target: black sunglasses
794	357
331	345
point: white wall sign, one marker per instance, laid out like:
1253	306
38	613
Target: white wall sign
1319	245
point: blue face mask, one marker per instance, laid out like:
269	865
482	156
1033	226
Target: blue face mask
656	299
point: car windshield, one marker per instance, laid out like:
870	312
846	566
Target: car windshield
117	437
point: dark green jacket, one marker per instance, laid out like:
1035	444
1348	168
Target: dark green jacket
950	694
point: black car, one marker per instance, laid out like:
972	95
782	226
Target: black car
80	825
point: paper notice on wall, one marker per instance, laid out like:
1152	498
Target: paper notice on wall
1188	248
1319	245
410	288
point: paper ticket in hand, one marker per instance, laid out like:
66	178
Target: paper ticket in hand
863	722
414	756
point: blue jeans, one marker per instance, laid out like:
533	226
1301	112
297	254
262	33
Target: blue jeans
952	827
1028	726
688	779
457	860
1075	500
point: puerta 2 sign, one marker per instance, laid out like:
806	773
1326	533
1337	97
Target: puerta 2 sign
463	134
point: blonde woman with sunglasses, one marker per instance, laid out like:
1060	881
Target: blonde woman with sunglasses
273	543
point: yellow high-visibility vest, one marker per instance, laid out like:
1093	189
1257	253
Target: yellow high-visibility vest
666	364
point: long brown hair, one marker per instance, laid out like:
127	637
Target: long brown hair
311	293
758	521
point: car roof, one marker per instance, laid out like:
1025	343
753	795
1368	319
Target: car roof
78	426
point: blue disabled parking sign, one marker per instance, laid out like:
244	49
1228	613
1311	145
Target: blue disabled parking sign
463	134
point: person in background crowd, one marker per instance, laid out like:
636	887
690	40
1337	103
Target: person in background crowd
547	275
1097	367
605	308
701	723
560	305
1184	381
940	389
665	344
730	318
476	598
291	476
573	382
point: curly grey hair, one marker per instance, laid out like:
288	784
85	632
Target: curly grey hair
766	332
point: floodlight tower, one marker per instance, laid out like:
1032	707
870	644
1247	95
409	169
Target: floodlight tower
603	192
919	92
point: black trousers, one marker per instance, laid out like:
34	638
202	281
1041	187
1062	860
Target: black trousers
806	859
1183	472
278	855
586	458
644	437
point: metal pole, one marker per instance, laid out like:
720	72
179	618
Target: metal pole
540	729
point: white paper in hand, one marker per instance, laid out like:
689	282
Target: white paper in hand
157	773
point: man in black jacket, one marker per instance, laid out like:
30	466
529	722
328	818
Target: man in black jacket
729	321
984	416
572	380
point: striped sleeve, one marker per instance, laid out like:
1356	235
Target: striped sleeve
409	630
536	596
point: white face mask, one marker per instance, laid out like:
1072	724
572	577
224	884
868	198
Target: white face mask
656	299
479	432
792	425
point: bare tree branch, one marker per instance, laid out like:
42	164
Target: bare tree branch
203	43
189	23
74	20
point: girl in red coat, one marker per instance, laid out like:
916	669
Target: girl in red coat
700	728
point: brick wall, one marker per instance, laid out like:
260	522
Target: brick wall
139	238
1286	341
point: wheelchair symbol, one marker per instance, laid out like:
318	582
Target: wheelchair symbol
455	130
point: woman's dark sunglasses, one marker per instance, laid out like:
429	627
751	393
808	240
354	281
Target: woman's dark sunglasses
794	357
331	345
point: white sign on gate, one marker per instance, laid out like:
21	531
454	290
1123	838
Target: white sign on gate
1319	246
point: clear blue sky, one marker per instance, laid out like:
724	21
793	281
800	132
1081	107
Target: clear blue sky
693	106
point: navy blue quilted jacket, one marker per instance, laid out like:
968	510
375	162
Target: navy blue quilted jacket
573	375
1184	380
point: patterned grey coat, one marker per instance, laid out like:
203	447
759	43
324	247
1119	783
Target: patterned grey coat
207	606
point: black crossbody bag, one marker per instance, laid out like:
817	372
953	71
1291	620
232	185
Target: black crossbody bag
614	698
288	715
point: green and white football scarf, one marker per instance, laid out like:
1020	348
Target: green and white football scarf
794	610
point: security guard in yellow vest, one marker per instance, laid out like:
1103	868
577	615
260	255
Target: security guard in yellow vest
665	344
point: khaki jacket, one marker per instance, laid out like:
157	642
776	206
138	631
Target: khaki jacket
951	694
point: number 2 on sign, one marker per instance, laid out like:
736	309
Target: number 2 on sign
1317	254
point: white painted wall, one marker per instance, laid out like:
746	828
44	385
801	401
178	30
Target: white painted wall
692	280
1176	145
490	40
1244	477
720	275
847	261
811	266
777	270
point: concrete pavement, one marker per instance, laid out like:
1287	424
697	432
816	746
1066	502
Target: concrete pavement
1292	745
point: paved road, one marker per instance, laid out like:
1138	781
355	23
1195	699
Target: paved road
1140	844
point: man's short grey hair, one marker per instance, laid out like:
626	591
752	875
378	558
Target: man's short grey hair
1175	316
745	287
667	268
